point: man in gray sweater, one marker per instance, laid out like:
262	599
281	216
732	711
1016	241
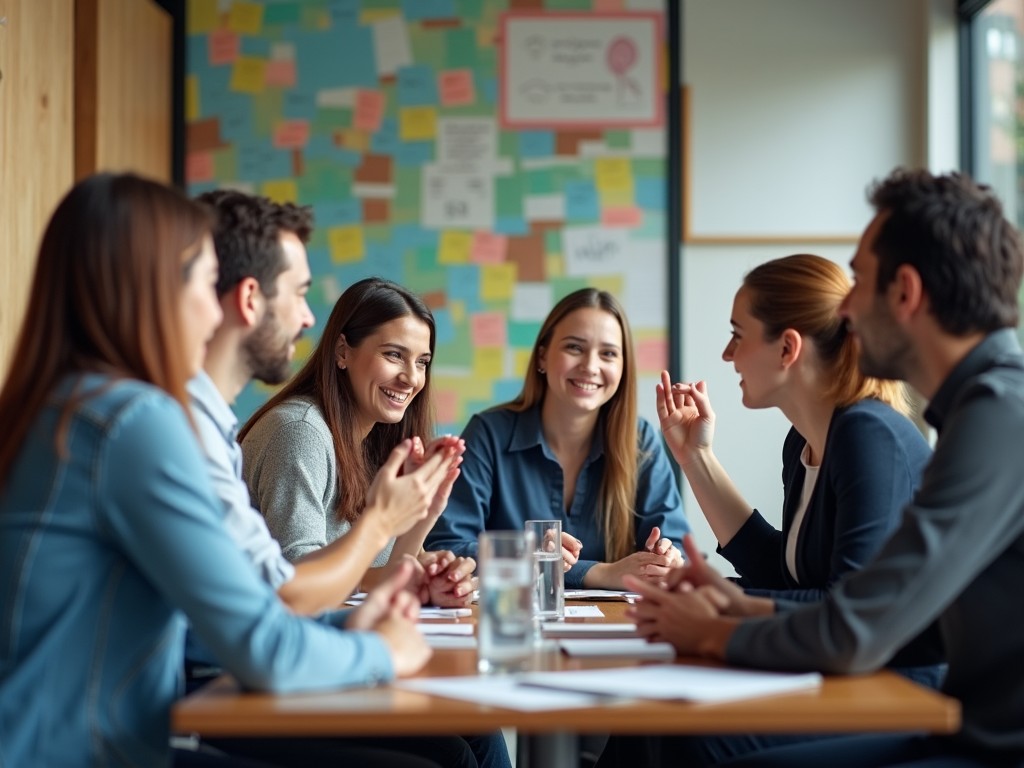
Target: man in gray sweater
937	274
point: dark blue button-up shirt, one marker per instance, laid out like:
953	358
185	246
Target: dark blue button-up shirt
510	475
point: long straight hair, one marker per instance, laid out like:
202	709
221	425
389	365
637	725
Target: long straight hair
360	311
803	292
617	500
105	297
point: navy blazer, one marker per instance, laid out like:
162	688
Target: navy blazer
872	465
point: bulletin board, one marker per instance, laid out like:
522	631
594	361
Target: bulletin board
384	116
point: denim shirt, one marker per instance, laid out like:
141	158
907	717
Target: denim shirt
104	549
510	475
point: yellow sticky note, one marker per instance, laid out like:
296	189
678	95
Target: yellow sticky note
201	17
521	362
346	244
488	362
280	190
616	198
192	108
471	388
247	75
497	281
554	265
417	123
246	18
613	174
454	247
358	141
608	283
370	15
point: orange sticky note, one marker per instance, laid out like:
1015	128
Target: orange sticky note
223	46
489	329
488	248
281	73
456	87
291	134
629	216
369	110
199	167
446	405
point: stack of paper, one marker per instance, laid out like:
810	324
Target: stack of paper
627	648
559	629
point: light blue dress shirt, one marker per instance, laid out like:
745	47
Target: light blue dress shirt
105	548
510	475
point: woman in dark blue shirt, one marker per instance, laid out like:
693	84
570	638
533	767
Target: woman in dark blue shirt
572	448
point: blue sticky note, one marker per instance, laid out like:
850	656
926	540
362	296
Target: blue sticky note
410	236
418	10
417	86
236	118
319	258
507	389
380	261
260	162
320	147
649	193
344	11
336	58
464	284
581	201
385	139
414	153
197	54
444	326
199	187
487	89
536	143
511	225
299	104
337	213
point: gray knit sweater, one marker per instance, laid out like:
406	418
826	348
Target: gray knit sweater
290	468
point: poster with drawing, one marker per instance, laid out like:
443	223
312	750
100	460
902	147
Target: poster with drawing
578	70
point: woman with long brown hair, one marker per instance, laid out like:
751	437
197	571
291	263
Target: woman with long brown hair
110	534
570	447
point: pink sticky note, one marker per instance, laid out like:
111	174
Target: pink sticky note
280	73
489	329
630	216
652	355
291	134
456	88
446	406
369	110
199	167
488	248
223	47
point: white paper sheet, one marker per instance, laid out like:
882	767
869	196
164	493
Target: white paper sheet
451	642
675	681
600	594
628	647
583	612
444	628
498	691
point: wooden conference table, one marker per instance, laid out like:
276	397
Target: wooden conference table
879	702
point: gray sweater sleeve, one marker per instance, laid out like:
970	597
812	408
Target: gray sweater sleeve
290	470
966	512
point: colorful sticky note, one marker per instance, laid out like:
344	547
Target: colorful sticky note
497	281
454	247
291	134
416	86
199	167
280	73
201	16
456	87
446	406
346	244
222	46
247	76
369	110
192	106
489	329
280	190
417	123
628	216
488	362
613	174
245	18
652	355
488	248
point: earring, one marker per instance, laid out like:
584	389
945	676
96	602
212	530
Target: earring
541	371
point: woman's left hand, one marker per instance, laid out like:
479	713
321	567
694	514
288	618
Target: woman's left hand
659	545
454	447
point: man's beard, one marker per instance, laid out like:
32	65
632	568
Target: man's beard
268	359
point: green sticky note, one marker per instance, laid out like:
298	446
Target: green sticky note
522	334
552	241
266	111
460	48
408	183
281	13
469	9
324	180
428	45
225	164
618	139
540	181
648	166
563	286
327	120
509	196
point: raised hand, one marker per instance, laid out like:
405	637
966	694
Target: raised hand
454	447
687	420
399	500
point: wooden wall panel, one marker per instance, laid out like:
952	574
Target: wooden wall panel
36	164
123	79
